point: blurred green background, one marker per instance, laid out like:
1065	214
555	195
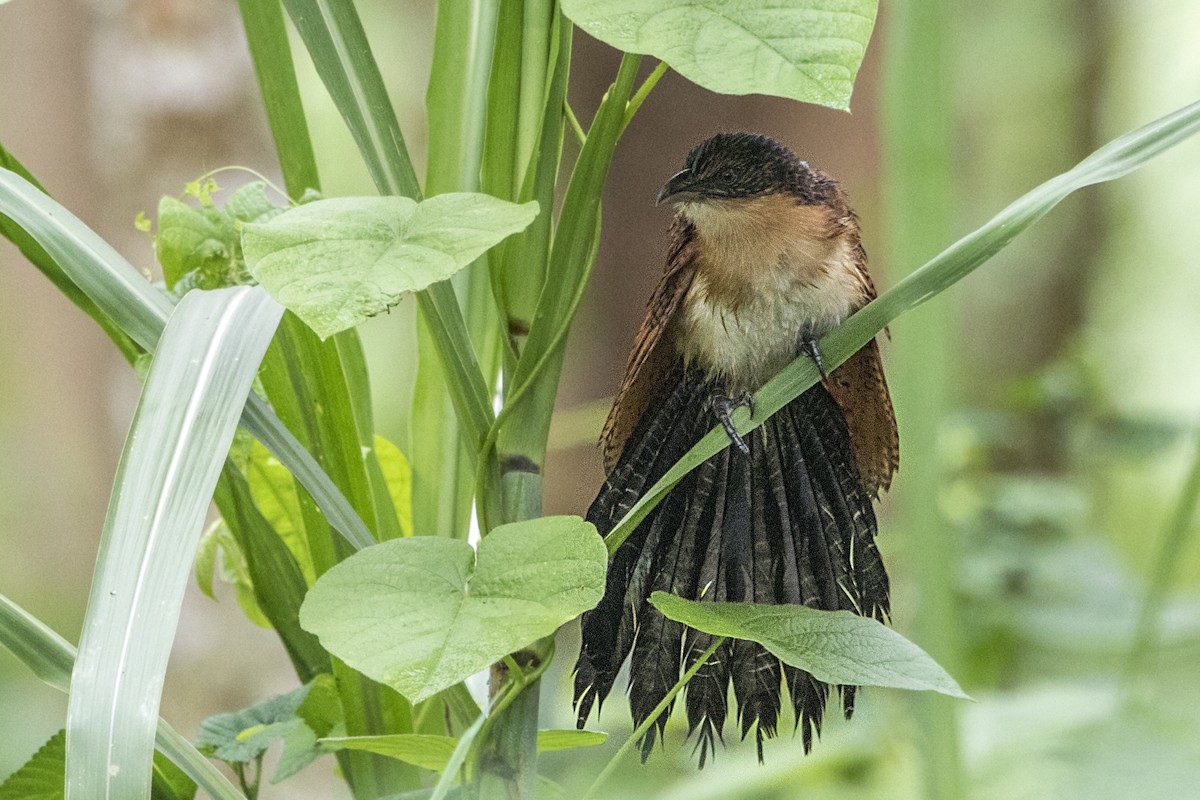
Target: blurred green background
1050	400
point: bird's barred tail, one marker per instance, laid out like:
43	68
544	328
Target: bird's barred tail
790	523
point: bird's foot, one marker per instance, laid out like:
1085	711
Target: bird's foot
806	344
723	407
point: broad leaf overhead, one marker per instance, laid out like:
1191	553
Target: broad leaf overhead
808	50
337	262
421	614
837	647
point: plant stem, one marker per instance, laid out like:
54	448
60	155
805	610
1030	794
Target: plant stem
574	123
658	711
1175	535
643	92
918	125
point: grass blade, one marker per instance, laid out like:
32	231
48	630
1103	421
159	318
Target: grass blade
266	34
335	39
182	429
1114	160
51	658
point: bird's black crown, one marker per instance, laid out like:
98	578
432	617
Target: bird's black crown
743	165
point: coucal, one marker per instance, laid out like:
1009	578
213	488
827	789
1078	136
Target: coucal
765	257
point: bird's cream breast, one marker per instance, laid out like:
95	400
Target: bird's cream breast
767	271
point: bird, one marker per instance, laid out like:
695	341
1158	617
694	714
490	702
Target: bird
765	257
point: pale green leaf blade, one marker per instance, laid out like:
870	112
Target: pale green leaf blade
185	421
426	751
837	647
433	752
549	741
808	50
338	262
274	493
398	475
421	614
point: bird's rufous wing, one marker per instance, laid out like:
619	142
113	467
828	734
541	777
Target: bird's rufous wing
860	388
653	354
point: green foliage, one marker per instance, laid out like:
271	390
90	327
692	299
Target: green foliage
423	613
434	752
297	719
837	647
201	246
338	262
41	777
808	50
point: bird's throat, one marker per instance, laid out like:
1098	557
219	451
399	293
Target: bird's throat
767	271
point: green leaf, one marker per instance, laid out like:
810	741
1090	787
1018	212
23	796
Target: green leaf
553	740
421	614
808	50
189	409
41	777
398	476
274	492
337	262
433	752
240	737
838	647
426	751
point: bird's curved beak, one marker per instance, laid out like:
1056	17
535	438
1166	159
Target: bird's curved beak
680	187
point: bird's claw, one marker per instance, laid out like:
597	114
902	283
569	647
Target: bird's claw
807	345
723	407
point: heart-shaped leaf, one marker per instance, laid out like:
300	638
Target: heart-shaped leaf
808	50
337	262
421	614
837	647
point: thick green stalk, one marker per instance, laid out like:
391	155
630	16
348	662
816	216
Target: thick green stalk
523	426
441	447
918	125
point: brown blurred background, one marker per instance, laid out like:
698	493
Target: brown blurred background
1075	351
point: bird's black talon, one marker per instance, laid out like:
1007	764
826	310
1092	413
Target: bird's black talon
723	407
807	345
747	400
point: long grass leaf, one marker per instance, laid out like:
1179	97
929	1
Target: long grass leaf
1114	160
335	39
266	34
51	658
181	432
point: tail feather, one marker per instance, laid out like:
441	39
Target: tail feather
707	694
789	523
657	647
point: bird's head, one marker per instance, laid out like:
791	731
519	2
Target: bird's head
735	166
